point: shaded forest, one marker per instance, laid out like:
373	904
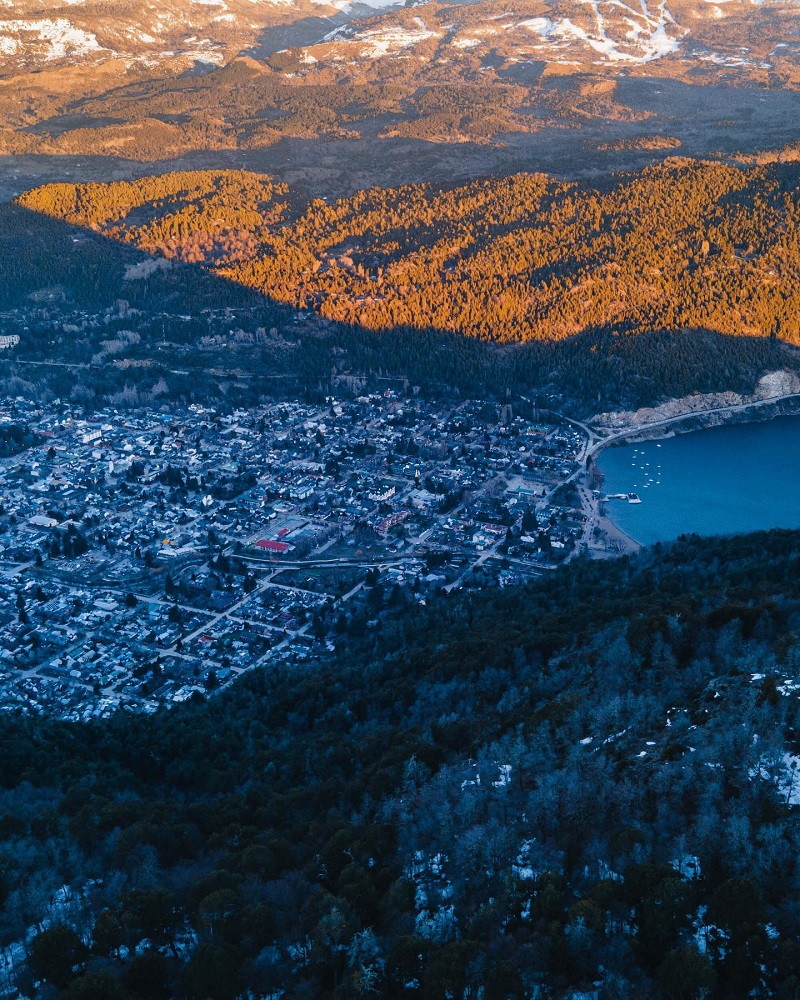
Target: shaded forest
587	784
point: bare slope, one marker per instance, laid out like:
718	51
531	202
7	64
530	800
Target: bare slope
152	82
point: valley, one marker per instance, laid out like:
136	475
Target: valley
727	123
309	91
373	622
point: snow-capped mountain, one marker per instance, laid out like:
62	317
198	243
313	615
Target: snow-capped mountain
175	33
758	35
97	76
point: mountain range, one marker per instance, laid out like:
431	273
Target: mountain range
683	38
138	81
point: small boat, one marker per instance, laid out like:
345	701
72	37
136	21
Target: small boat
634	498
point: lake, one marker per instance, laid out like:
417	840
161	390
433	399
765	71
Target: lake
719	481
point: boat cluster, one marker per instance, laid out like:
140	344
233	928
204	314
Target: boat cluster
650	478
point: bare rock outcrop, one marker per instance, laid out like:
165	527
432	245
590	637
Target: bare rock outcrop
773	385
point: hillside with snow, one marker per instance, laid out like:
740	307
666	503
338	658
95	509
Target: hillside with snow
692	36
141	34
564	85
688	39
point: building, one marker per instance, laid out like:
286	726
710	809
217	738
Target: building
273	547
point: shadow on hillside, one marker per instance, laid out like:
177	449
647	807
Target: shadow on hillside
52	274
304	31
46	261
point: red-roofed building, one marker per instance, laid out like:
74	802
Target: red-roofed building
268	545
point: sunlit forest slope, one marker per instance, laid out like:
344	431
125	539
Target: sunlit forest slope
685	244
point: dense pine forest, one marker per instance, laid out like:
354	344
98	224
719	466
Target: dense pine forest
685	244
124	327
589	784
268	294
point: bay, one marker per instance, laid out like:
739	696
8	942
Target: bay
719	481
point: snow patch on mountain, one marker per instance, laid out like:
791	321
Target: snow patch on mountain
646	35
605	32
384	41
541	25
347	6
617	34
48	39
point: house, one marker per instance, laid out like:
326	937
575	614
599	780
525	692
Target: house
42	521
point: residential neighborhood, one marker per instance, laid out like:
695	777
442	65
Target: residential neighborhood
147	558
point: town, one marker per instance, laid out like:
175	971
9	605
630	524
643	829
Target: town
147	558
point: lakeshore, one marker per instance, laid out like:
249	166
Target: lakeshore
719	480
777	394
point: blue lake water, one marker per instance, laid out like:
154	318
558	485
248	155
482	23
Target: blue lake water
719	481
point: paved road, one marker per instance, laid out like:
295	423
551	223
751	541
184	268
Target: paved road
599	443
595	442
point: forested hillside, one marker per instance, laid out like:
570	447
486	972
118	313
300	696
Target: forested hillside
686	244
589	781
73	297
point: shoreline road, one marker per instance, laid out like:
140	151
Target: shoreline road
597	442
